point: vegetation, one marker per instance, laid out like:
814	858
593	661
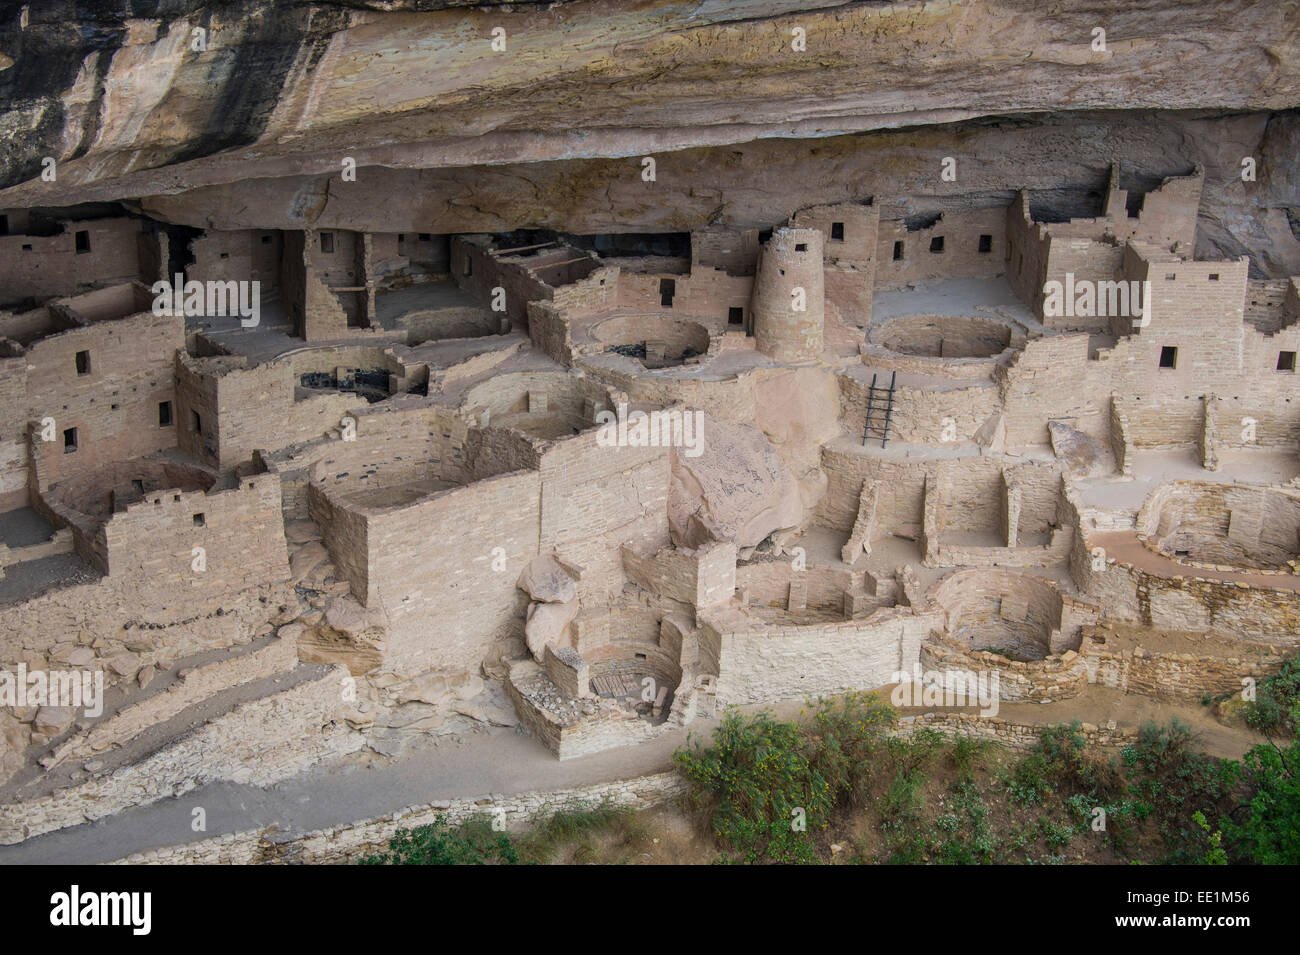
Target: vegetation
765	783
841	784
567	834
1276	707
925	798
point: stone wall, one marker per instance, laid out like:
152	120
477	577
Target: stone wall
113	405
758	663
41	267
958	245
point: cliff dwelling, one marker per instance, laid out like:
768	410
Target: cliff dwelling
408	403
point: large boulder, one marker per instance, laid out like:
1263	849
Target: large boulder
737	490
546	624
547	580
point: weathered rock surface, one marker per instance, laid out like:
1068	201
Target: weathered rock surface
737	490
547	580
546	624
451	136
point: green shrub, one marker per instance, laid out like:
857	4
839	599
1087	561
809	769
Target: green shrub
755	780
759	775
1276	707
1170	780
473	842
1266	829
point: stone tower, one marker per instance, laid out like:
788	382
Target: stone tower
791	260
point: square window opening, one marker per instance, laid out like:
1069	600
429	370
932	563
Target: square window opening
1286	361
936	244
1168	356
986	243
735	316
83	363
82	239
801	247
837	231
327	242
200	520
1214	276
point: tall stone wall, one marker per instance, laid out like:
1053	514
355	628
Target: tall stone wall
767	664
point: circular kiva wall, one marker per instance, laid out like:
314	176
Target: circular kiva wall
96	494
1225	526
656	341
1011	614
942	336
619	671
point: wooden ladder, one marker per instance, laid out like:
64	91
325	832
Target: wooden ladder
880	410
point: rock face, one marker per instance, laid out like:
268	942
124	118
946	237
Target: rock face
737	490
545	579
554	592
451	135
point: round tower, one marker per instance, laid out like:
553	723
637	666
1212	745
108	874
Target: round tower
788	304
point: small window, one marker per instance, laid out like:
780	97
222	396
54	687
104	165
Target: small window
27	247
401	237
266	240
164	414
736	316
837	231
1214	276
469	265
83	363
1286	361
898	251
801	247
1170	276
327	242
196	423
4	225
225	255
200	520
667	289
986	243
138	484
936	244
641	656
69	440
1168	356
425	236
82	239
